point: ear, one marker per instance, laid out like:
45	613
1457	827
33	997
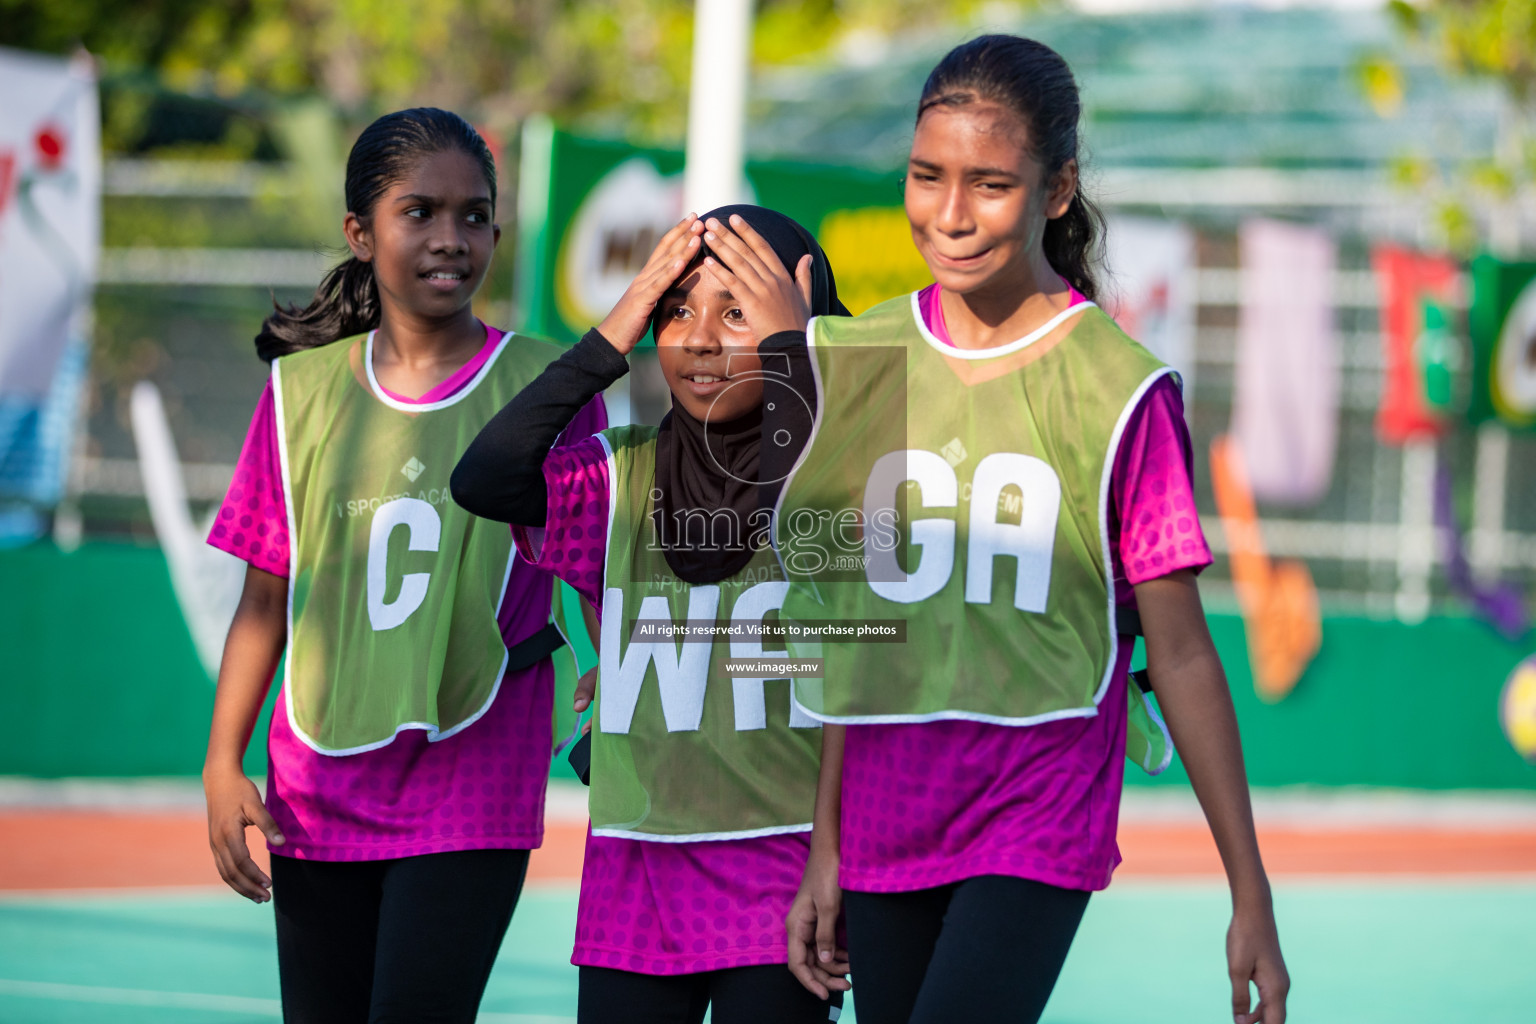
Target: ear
359	238
495	235
1063	188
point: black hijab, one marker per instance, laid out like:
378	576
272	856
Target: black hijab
702	470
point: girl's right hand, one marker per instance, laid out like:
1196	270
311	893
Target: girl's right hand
814	956
631	317
234	805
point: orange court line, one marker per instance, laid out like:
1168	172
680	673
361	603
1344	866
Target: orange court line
44	850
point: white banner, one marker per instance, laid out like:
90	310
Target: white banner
1150	288
50	238
1285	402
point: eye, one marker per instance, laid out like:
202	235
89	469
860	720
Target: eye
479	217
677	313
419	212
734	315
925	177
994	187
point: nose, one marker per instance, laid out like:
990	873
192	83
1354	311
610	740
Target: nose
448	238
703	337
954	216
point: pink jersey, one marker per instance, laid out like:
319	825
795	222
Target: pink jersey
482	788
659	908
929	804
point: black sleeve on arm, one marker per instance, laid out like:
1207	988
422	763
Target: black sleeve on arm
500	476
789	409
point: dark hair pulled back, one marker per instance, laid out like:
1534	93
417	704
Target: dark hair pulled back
1033	81
347	301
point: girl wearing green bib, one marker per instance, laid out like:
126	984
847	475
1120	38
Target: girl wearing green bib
703	772
417	642
995	472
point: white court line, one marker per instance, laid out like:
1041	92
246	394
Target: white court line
140	997
202	1001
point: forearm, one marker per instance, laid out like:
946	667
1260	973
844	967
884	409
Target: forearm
1197	705
1198	708
251	652
827	823
500	476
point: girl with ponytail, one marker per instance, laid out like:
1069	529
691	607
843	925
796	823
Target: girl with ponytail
1021	472
410	743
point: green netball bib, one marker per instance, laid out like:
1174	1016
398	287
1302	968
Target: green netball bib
680	751
393	589
965	495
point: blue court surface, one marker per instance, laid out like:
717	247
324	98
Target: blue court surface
1405	951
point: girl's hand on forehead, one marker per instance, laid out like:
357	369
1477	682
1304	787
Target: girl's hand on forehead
631	316
770	299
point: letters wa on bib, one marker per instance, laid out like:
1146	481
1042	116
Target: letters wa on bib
680	751
969	491
412	640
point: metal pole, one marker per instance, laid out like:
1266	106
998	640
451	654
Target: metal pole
717	104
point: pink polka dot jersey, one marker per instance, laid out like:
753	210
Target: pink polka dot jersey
925	805
658	908
480	789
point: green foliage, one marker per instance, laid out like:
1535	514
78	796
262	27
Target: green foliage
1492	39
495	60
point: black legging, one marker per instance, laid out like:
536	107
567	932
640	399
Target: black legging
739	995
985	949
407	940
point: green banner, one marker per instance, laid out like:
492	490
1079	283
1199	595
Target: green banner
1503	324
591	210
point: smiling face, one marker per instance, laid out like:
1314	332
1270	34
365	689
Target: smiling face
977	201
707	350
430	237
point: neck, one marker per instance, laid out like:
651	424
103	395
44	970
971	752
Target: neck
421	343
1002	311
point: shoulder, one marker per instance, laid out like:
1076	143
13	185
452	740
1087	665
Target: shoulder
530	347
627	439
874	324
310	362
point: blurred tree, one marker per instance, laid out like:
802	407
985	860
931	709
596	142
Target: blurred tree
497	59
1493	39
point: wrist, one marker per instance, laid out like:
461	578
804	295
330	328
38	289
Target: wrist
221	768
1253	897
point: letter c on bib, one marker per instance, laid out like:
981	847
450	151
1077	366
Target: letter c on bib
425	531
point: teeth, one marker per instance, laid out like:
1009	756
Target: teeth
443	276
704	378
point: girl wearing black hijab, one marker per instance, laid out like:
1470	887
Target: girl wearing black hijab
703	782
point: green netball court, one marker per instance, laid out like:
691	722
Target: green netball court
1361	952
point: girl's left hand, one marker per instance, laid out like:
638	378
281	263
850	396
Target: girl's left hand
770	299
1253	954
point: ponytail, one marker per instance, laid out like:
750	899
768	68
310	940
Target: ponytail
347	301
1074	244
345	304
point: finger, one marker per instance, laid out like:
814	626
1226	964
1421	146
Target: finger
828	979
807	978
1272	996
249	872
735	252
240	858
261	819
234	878
758	244
826	937
1240	998
586	686
803	278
